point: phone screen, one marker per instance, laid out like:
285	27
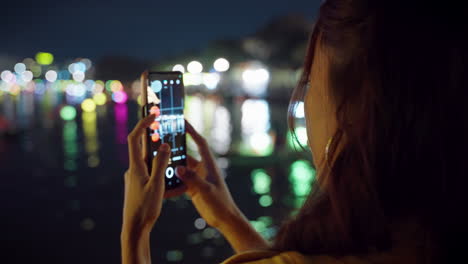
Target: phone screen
165	98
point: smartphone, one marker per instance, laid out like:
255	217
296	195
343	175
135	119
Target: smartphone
163	95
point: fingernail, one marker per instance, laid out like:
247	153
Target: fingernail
164	147
180	170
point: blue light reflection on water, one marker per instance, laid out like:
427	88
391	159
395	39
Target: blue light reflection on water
67	205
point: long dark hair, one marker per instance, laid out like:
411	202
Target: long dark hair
398	77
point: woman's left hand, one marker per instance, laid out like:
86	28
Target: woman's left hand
144	192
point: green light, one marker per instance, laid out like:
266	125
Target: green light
258	226
301	176
70	165
44	58
261	181
301	133
69	131
267	220
174	255
265	200
68	113
108	85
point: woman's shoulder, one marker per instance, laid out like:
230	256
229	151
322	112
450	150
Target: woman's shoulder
288	257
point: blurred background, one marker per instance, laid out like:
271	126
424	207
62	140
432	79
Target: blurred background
69	93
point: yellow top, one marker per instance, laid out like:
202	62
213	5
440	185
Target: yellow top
292	257
408	248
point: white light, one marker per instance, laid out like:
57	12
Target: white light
87	63
301	133
179	67
78	76
221	130
299	112
195	67
255	116
89	85
20	68
211	80
200	223
77	90
255	80
71	68
80	67
260	141
258	76
51	76
27	76
193	79
7	76
221	65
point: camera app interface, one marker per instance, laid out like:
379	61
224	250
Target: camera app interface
166	100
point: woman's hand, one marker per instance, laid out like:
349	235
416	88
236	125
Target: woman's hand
144	193
212	199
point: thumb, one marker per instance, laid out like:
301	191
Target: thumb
190	178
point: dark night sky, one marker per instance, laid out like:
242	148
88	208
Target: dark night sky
140	28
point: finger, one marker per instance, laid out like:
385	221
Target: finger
144	87
144	101
192	162
144	147
191	179
159	166
175	192
205	153
134	149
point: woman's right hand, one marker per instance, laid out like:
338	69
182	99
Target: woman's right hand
206	186
212	199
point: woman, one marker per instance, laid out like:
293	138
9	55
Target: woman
384	87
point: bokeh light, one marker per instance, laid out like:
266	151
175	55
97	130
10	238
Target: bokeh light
119	97
98	86
255	81
211	80
27	76
265	200
261	181
78	76
301	176
51	76
36	70
179	67
20	67
116	86
100	98
68	113
87	63
44	58
200	223
8	76
192	79
221	65
88	105
195	67
174	256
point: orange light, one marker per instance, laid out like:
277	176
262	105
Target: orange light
155	110
155	125
155	137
